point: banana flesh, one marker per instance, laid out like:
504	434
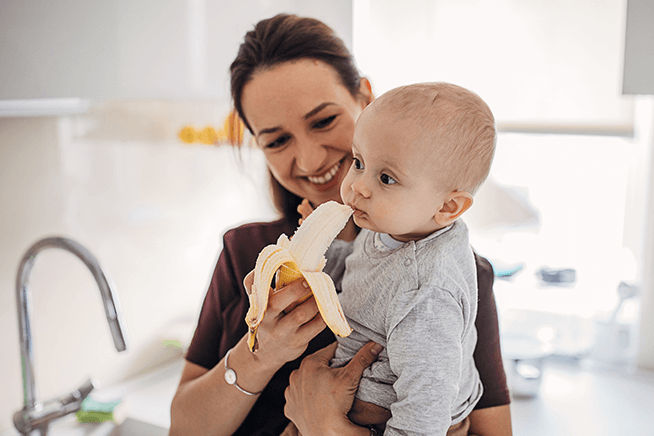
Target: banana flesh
303	256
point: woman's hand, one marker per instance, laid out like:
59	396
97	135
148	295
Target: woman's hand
318	397
287	327
304	209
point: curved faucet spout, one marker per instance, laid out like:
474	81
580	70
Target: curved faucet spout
23	303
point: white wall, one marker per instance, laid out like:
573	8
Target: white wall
638	78
645	137
152	212
135	49
116	179
548	65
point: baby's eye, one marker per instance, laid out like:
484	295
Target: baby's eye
387	180
277	142
356	163
324	122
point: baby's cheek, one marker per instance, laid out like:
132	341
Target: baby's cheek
394	217
346	187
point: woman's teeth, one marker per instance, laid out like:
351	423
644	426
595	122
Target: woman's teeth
321	180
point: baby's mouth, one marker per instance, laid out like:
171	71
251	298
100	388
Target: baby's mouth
357	211
327	176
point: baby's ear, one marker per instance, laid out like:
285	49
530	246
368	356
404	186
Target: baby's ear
454	205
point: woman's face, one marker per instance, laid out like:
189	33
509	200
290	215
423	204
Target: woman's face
302	118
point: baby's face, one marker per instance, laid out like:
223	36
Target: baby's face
391	184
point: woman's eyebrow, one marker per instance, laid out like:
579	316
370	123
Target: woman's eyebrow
268	130
317	109
308	115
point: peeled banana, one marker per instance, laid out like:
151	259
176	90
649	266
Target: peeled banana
301	257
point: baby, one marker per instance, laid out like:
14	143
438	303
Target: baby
409	284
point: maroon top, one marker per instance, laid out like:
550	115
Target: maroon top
222	325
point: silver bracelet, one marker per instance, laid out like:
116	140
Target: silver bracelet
230	377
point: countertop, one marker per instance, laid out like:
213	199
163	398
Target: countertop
147	405
574	398
583	398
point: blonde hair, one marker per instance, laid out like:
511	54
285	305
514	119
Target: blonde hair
456	121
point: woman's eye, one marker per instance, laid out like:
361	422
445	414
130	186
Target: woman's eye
357	164
278	142
324	122
387	180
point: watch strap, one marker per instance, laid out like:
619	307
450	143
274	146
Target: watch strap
231	377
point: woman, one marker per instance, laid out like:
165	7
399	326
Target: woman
295	86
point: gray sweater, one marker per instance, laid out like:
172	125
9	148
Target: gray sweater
418	300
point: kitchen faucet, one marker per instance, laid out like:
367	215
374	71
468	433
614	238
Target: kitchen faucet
34	417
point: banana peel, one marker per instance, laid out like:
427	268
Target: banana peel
301	257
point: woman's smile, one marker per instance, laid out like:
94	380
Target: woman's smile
329	179
327	176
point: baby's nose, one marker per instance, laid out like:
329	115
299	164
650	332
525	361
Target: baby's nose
359	187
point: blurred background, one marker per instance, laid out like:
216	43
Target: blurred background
111	133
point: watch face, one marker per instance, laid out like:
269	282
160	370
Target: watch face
230	376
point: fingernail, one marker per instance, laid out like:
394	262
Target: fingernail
376	349
305	284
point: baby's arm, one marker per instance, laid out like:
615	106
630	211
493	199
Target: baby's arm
362	413
365	413
425	353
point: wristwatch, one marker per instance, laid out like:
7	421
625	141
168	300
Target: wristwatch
230	377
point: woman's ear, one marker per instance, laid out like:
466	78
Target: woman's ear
454	205
365	91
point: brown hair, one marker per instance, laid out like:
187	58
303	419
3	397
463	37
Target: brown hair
285	38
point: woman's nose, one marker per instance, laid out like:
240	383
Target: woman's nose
310	157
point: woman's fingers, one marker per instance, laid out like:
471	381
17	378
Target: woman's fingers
300	324
290	322
304	209
300	314
281	299
324	355
290	430
319	397
247	282
310	329
363	359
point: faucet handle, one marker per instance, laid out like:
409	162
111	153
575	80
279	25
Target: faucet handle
41	414
84	390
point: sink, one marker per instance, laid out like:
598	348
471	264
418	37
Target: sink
147	406
68	426
134	427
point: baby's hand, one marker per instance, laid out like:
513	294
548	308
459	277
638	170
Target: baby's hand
304	209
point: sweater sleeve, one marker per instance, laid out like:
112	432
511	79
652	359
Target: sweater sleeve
425	353
487	354
219	326
336	255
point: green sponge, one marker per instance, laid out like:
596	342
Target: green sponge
98	411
